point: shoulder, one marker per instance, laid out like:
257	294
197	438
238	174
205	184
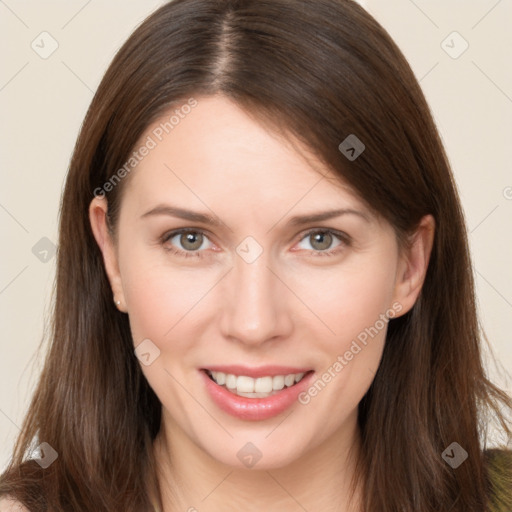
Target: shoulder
11	505
499	475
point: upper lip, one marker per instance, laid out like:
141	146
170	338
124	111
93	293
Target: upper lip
255	372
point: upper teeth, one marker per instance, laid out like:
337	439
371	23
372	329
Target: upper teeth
244	384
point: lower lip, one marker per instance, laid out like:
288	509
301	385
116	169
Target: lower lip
255	409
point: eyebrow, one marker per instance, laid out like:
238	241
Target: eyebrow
203	218
182	213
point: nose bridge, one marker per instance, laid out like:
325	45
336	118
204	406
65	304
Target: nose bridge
255	310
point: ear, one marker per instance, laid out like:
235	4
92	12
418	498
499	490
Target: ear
98	219
413	264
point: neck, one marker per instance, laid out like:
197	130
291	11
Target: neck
191	480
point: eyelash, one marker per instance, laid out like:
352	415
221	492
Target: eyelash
342	237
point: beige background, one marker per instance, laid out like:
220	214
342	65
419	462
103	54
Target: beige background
43	102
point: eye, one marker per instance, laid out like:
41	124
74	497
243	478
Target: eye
186	242
321	241
192	242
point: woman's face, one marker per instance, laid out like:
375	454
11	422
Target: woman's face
260	287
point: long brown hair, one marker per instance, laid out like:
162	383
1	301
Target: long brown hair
319	70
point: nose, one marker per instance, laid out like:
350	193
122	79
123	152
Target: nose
255	304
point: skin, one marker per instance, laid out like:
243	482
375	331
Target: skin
283	308
11	505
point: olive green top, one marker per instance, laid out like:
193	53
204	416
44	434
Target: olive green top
500	477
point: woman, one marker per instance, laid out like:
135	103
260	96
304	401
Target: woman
264	297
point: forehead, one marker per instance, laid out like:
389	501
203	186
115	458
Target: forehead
218	151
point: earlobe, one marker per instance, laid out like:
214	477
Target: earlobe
98	219
413	264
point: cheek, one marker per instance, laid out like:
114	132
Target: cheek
162	299
346	299
161	302
341	301
364	297
356	303
152	296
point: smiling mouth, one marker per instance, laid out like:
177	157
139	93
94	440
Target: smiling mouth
260	387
